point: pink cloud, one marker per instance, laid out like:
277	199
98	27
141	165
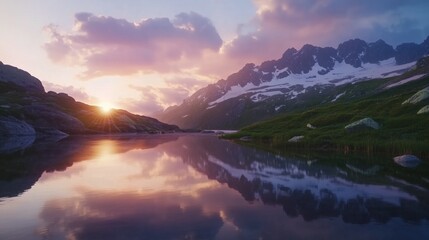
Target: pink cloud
155	99
77	93
111	46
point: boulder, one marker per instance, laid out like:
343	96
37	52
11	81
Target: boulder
409	161
418	97
13	144
44	116
365	123
246	139
10	126
296	139
21	78
424	109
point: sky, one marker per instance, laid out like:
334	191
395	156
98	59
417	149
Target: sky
144	56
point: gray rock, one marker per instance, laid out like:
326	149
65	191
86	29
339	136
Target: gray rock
246	139
15	143
365	123
10	74
44	116
409	161
10	126
296	139
424	109
418	97
310	126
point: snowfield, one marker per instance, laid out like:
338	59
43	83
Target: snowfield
342	73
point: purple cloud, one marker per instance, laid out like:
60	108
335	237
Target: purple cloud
281	24
111	46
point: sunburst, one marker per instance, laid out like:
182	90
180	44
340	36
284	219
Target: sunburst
105	108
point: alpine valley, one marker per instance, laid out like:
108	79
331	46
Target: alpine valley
301	79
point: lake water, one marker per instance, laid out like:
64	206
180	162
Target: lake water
200	187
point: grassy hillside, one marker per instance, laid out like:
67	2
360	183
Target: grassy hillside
403	130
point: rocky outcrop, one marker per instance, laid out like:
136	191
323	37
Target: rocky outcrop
424	109
246	139
296	139
10	126
10	74
365	123
45	116
408	52
28	110
12	144
409	161
418	97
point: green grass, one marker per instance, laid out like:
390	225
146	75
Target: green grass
402	129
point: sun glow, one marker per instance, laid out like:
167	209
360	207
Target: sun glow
105	108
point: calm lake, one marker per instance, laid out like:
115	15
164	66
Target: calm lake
197	186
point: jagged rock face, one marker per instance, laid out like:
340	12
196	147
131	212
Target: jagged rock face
244	76
408	52
326	57
378	51
286	58
351	51
10	74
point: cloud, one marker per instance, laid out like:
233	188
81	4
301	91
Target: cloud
112	46
147	104
155	99
280	24
77	93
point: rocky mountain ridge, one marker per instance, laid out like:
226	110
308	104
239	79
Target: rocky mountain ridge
26	109
298	76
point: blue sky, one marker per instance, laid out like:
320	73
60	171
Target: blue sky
147	55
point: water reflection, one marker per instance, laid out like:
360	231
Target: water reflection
200	187
20	168
134	216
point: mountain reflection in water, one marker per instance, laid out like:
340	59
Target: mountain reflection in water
199	187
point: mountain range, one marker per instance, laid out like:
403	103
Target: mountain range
299	79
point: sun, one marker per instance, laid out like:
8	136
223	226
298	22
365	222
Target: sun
105	108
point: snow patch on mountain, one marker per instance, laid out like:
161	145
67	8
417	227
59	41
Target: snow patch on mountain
338	96
410	79
341	73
